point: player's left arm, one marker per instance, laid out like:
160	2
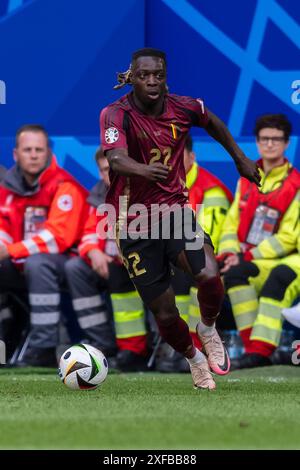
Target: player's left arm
216	128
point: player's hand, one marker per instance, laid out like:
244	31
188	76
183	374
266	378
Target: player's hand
155	172
248	169
100	262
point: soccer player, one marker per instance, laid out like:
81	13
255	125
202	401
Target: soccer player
143	135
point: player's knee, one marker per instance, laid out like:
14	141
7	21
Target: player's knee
166	314
239	275
211	269
278	281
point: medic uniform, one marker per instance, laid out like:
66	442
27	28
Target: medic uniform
40	225
263	226
281	289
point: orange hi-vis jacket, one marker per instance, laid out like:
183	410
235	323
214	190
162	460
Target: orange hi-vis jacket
45	219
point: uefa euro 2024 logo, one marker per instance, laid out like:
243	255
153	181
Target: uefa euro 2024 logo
2	92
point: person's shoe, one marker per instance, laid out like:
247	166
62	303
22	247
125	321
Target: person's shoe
217	355
38	357
201	376
248	361
128	361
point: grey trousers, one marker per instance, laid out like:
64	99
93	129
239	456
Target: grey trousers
42	277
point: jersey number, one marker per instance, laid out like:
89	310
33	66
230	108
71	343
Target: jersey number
158	155
136	260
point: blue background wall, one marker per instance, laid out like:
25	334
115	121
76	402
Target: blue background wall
59	58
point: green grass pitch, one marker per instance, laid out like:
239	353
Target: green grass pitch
253	409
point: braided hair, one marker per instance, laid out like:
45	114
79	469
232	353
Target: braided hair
124	78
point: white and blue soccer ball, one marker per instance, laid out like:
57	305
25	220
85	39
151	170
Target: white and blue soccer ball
82	367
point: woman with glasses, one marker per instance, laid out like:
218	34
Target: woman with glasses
261	228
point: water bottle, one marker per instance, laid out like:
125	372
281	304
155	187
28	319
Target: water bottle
233	343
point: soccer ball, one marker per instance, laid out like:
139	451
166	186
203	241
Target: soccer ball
82	367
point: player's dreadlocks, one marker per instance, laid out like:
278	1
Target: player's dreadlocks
124	78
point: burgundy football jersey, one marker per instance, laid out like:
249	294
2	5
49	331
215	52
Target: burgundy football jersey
150	140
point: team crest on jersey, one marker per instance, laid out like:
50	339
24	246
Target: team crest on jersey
65	202
111	135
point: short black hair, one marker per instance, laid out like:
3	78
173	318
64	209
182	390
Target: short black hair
149	52
188	143
274	121
32	128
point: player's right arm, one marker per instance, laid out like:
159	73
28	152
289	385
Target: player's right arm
121	163
114	144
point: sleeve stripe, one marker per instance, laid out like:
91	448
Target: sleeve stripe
257	254
31	246
277	246
229	236
5	236
90	237
216	202
49	240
